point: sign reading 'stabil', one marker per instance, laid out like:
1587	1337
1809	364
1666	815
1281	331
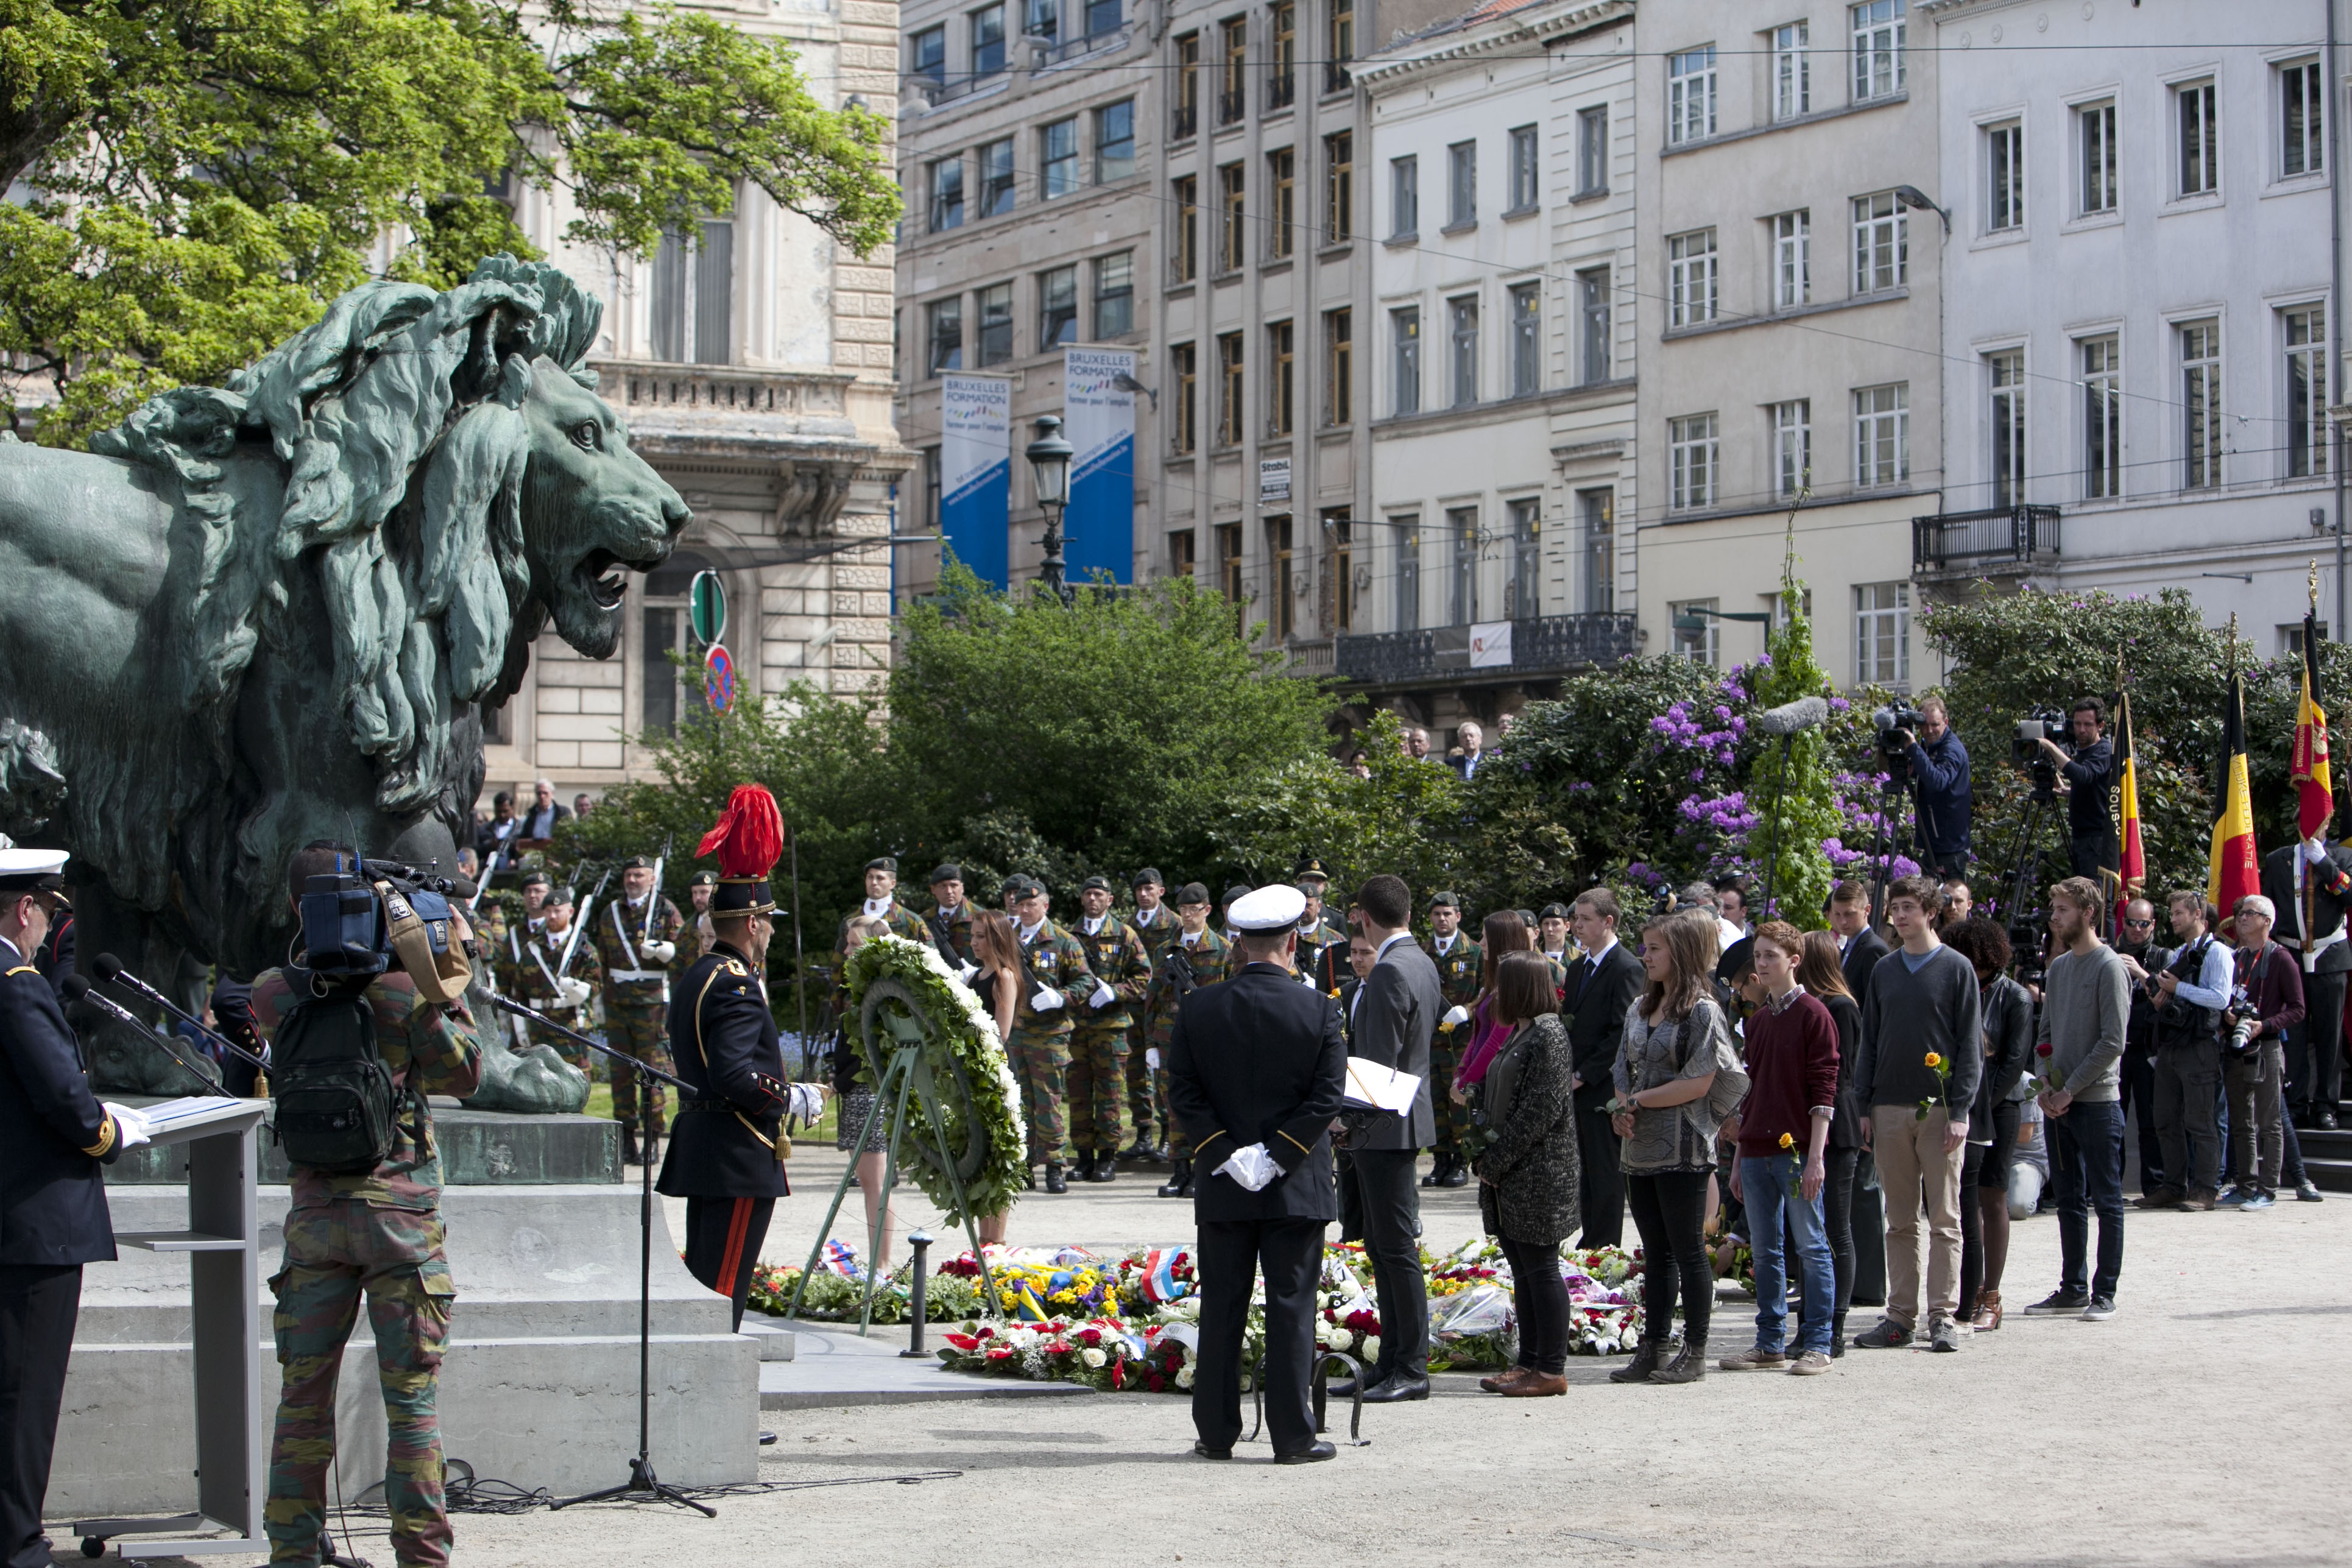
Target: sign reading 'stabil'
1098	417
976	470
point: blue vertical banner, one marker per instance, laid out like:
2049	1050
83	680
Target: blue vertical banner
976	471
1098	419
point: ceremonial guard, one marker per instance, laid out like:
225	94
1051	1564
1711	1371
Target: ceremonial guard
1121	965
1322	946
881	904
949	925
727	1148
376	1230
2314	1052
549	971
1257	1067
695	940
1055	976
54	1136
1195	958
1461	963
1155	922
636	942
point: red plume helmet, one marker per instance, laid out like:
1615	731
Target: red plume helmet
747	841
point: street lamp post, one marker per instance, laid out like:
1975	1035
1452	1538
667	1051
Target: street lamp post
1049	472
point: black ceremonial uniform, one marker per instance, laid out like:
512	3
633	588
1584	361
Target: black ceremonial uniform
54	1135
1259	1060
722	1157
2315	1049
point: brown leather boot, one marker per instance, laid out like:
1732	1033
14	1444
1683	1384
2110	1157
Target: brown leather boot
1536	1385
1502	1382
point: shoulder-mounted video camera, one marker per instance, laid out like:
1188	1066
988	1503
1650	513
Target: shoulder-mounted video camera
2025	748
1897	727
369	916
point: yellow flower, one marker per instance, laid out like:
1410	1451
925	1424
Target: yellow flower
1934	1061
1788	1142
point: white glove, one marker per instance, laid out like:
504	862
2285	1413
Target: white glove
806	1100
659	951
1458	1016
2315	850
1102	997
574	992
1045	999
1151	1058
969	970
131	1129
1251	1168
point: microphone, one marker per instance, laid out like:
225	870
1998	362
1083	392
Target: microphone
1881	720
80	999
1790	718
108	968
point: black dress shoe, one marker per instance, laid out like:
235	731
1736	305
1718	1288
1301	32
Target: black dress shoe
1314	1451
1396	1389
1179	1179
2325	1121
767	1439
1202	1450
1345	1387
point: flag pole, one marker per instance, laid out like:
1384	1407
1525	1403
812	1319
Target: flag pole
2303	872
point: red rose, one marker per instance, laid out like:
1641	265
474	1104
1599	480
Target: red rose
2043	1049
1156	1383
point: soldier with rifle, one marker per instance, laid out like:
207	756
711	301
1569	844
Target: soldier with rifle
1197	957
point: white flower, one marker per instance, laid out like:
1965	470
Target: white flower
1184	1375
1092	1356
1371	1349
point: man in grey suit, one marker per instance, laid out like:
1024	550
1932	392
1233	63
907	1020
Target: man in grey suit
1395	1016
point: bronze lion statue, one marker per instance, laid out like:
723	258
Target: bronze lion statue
274	612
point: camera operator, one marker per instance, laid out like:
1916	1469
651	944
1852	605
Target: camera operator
2253	1068
2189	988
2090	772
1940	765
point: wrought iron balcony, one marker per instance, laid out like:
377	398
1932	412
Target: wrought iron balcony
1336	78
1186	120
1975	540
1231	107
1280	90
1540	645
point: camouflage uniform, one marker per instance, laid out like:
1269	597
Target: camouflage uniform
524	966
1040	1046
1145	1107
958	931
636	1011
1119	959
378	1232
1212	955
1459	971
902	921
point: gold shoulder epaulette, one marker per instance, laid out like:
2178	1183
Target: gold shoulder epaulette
24	969
735	968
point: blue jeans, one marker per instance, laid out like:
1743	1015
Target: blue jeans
1767	1188
2086	1168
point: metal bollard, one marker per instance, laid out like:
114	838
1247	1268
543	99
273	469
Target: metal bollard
917	1306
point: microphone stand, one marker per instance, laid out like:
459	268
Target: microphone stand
642	1481
109	970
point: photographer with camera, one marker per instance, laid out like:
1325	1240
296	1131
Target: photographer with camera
2188	989
2089	769
1938	766
2266	1003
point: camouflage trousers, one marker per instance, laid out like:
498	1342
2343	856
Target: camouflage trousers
1098	1085
1041	1065
1180	1142
334	1251
577	1019
1453	1116
640	1028
1145	1094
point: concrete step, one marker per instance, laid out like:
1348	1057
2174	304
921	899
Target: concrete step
2327	1175
777	1343
835	1367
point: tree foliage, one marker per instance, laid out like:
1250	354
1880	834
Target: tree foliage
1791	784
1407	816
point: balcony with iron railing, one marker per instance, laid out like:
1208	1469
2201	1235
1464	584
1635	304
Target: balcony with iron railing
1538	646
1231	107
1336	78
1185	122
1281	90
1974	543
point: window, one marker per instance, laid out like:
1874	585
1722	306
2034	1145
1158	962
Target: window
2007	417
1690	95
996	178
1878	66
1041	19
1882	634
2102	418
1114	295
1792	260
1408	572
1057	307
1228	390
1232	101
2306	390
1338	366
1281	360
1696	631
1526	339
1691	446
1184	556
1690	278
661	639
1592	151
2201	140
2302	131
1596	510
931	518
987	41
1882	244
1792	70
1229	218
1281	568
694	295
1592	325
1462	341
1405	324
1462	582
927	53
1282	62
1058	159
1793	447
1186	120
1184	253
1339	46
1102	17
1461	184
1523	596
1230	570
1882	435
1404	197
1282	184
1338	572
2094	133
2201	404
2004	176
946	195
1185	436
1114	141
996	344
1524	169
1338	188
943	329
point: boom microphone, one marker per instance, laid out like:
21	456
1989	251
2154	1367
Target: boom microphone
1790	718
108	968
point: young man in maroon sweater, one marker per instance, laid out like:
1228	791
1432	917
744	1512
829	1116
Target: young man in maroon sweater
1783	1127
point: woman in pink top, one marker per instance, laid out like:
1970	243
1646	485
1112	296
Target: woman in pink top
1503	932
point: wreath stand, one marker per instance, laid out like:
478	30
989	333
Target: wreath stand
892	1012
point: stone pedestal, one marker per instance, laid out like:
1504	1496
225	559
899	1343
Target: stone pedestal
478	1149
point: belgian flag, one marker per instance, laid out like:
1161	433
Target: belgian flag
2314	792
2234	870
2131	881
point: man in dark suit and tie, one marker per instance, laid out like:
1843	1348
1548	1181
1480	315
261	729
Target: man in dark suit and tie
1601	986
1396	1015
1255	1070
1859	947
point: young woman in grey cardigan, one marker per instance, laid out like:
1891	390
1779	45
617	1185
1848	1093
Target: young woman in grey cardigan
1527	1178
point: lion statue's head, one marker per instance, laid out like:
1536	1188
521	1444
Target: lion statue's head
445	457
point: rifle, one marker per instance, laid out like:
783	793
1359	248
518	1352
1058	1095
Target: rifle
580	923
652	901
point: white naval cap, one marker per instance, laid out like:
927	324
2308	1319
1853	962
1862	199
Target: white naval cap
1270	907
30	871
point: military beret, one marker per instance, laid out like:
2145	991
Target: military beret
1451	901
1095	882
1236	891
1149	876
703	879
538	880
1191	893
558	895
949	872
638	863
1526	918
884	863
1555	913
1020	886
1311	871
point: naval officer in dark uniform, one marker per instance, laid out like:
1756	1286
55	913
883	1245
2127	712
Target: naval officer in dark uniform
1256	1067
54	1135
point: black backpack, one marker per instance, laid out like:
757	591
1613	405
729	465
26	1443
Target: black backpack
337	1109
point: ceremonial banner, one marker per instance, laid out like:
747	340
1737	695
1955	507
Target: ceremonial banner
976	470
2133	880
2234	870
1098	419
2315	792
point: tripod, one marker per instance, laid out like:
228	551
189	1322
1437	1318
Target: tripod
2040	805
1890	815
642	1481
